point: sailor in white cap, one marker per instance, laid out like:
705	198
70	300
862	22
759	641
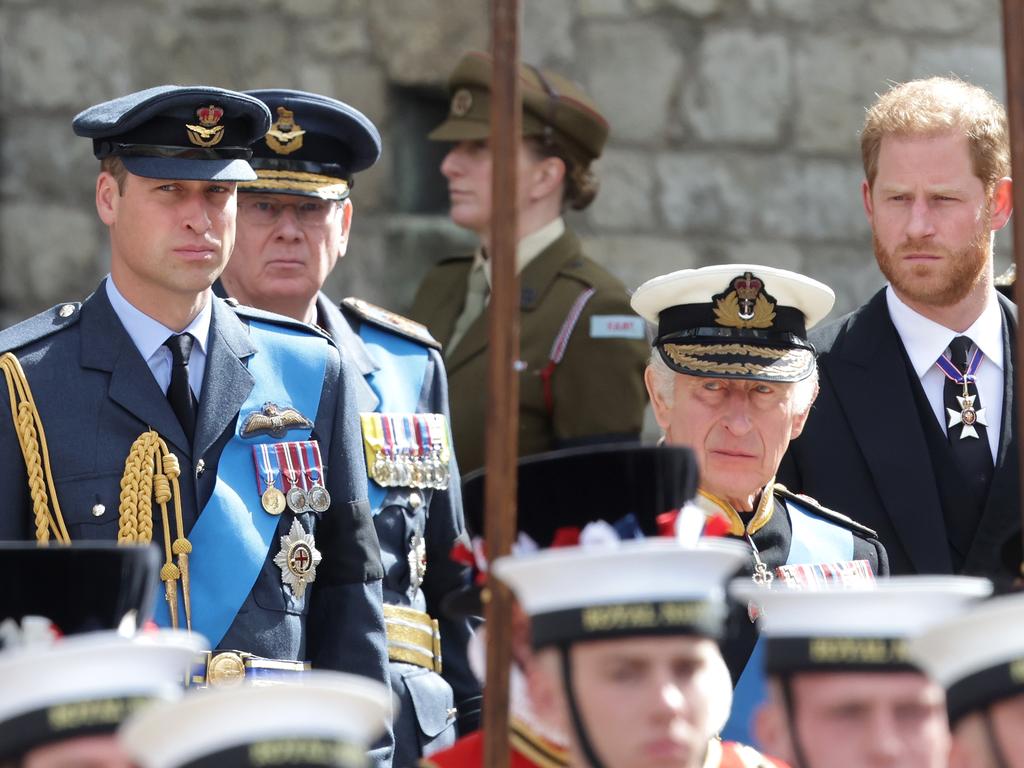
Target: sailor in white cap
978	657
61	703
321	719
733	376
625	660
843	692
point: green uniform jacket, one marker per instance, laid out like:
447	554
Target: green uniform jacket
597	390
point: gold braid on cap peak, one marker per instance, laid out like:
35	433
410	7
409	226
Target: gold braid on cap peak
691	356
151	472
32	439
300	181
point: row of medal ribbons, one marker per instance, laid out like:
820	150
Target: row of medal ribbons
407	449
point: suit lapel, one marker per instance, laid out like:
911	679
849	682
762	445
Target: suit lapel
870	377
1001	513
106	346
227	382
336	324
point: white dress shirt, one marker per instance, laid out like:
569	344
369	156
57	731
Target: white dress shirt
925	340
149	337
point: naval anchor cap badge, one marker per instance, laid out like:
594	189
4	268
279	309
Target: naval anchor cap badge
208	133
745	304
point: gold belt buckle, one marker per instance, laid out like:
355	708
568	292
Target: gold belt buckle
225	670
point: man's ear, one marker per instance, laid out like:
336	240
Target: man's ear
107	198
662	409
869	206
770	731
346	227
1002	203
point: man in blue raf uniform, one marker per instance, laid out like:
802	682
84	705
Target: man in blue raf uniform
225	435
294	223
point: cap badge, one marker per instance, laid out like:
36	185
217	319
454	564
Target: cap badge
297	559
285	135
462	102
207	133
745	304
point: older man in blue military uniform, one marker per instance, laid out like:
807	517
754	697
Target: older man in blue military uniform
294	223
154	411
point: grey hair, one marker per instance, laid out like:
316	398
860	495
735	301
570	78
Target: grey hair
664	383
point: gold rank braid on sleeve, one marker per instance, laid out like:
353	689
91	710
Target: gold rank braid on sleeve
28	426
151	472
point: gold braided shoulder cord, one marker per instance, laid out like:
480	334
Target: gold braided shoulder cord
32	439
151	472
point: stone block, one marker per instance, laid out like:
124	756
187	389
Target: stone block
363	85
741	92
420	42
335	37
982	65
632	70
850	271
625	200
945	16
770	253
699	8
837	78
635	259
811	12
51	253
603	8
42	155
547	33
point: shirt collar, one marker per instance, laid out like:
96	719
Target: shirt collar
925	339
149	334
528	249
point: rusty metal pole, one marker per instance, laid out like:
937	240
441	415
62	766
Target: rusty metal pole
1013	37
502	376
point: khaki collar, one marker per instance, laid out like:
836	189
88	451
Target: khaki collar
713	505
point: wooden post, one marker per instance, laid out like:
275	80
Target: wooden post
1013	37
502	376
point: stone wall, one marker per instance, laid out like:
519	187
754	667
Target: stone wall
734	122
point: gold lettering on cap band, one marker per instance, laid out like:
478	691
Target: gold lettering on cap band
851	650
603	618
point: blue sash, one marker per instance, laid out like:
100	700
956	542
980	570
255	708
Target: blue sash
813	540
233	534
397	382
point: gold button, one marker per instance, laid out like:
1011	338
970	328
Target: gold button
67	310
98	510
415	500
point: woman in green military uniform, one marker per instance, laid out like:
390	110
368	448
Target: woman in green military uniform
582	349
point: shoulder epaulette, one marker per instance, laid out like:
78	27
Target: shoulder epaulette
811	505
252	313
40	326
389	321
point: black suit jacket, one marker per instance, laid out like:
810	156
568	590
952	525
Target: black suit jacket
864	448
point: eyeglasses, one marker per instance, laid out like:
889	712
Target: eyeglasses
265	210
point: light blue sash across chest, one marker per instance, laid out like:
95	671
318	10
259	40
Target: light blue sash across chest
397	382
233	533
813	540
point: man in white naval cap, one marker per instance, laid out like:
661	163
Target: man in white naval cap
733	376
624	660
843	692
978	657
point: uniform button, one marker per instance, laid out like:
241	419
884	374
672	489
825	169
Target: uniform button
200	467
67	311
415	500
98	510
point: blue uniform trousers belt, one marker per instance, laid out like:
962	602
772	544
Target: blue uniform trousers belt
413	637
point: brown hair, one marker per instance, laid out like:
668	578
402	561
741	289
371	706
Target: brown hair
936	106
113	165
580	185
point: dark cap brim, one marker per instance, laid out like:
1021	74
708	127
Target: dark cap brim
190	170
734	360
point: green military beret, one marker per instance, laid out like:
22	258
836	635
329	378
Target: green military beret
553	106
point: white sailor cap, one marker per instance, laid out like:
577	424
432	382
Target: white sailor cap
86	684
319	719
635	587
861	628
743	321
977	656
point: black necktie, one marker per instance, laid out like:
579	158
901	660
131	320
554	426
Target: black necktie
179	393
972	454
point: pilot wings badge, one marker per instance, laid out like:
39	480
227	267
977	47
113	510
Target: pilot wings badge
274	420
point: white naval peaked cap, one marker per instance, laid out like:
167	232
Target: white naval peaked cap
854	628
319	718
627	588
86	684
743	321
978	655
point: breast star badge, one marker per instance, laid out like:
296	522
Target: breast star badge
967	416
297	559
